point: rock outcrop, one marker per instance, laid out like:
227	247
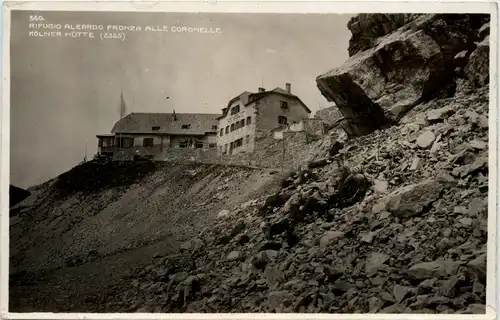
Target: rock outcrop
367	28
477	69
406	65
330	116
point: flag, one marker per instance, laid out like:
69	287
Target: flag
123	109
123	106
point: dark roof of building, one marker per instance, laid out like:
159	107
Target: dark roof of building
237	97
199	123
252	97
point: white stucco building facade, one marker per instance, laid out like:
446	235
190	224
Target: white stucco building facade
249	114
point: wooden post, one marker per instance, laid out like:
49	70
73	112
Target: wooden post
85	158
307	134
283	161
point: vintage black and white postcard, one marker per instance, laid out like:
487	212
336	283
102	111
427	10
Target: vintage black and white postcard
242	157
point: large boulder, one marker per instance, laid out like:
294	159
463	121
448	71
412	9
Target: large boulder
366	28
437	268
408	66
478	267
412	200
477	69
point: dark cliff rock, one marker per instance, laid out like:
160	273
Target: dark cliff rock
17	195
366	28
407	66
330	116
478	68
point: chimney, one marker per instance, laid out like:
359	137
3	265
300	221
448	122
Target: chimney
262	89
288	88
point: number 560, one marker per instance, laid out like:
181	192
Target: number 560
36	18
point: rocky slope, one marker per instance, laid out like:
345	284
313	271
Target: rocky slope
17	195
91	219
391	221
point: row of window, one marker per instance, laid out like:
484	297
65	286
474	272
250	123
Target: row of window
184	126
124	142
191	144
235	144
235	110
196	144
234	126
237	125
148	143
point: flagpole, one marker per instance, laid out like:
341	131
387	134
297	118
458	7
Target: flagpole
121	115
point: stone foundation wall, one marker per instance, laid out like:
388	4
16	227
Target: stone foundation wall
127	154
163	154
269	152
314	127
273	153
193	155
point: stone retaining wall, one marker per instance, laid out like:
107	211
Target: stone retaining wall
285	153
272	153
185	154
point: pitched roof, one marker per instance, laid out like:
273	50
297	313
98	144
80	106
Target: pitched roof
248	93
199	123
252	97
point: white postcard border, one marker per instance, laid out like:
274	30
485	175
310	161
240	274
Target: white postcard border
411	6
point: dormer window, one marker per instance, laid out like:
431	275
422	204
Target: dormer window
235	110
284	104
155	128
186	126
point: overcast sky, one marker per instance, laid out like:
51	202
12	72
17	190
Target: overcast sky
65	90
